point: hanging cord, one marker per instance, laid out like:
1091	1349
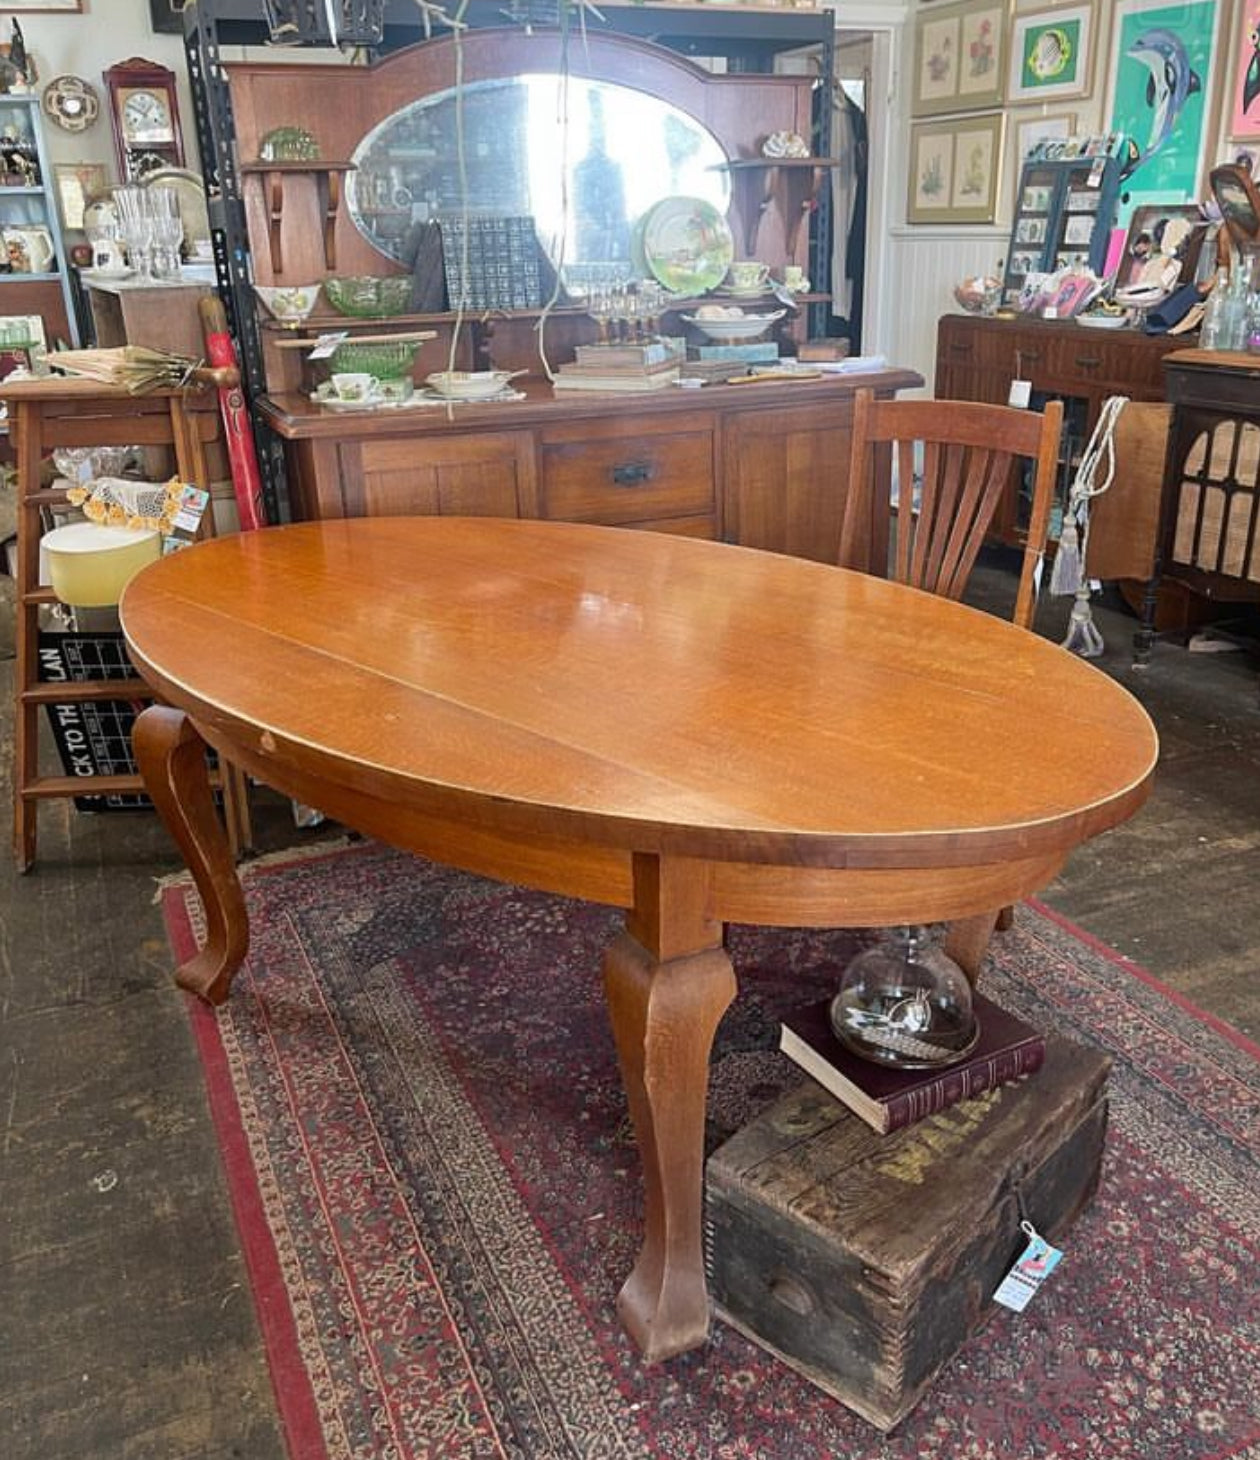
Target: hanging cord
1069	574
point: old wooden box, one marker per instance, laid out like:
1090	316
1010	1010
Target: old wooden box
865	1261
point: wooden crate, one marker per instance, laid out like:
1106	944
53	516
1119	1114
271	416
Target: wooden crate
865	1261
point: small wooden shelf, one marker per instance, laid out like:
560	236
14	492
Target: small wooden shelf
760	182
328	182
44	413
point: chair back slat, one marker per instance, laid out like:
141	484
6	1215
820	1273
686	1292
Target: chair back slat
931	536
947	508
990	471
906	508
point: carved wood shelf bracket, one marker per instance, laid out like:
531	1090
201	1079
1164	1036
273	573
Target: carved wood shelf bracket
327	175
791	183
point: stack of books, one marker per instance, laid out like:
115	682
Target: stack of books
645	365
888	1098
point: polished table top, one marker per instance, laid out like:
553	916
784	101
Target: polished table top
645	690
695	732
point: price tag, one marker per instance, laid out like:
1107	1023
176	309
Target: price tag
1021	393
1033	1266
1094	180
193	502
326	344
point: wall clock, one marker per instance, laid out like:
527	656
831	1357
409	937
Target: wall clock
71	103
145	115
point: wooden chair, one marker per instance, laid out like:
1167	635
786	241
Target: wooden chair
968	451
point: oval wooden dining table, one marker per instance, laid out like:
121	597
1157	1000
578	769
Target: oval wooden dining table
695	732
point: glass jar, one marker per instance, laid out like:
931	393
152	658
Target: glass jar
905	1002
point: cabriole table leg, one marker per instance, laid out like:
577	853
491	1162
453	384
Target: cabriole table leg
668	981
172	760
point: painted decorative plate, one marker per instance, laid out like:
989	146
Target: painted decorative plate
71	103
687	245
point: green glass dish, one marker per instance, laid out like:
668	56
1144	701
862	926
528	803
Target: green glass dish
387	361
367	296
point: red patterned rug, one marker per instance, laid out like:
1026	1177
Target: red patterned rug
416	1093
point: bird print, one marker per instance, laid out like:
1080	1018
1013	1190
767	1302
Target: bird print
1170	85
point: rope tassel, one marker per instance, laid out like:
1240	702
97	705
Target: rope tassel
1082	635
1065	576
1070	574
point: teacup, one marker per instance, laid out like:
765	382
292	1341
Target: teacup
794	280
747	274
356	386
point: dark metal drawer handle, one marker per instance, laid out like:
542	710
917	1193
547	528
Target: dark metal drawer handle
960	347
1089	362
632	474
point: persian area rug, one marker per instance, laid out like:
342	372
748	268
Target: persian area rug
438	1191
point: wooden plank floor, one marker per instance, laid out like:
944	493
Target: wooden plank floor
126	1326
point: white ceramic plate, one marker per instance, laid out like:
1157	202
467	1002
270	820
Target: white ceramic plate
468	384
1103	321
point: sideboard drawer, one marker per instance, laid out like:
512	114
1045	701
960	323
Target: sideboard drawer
627	472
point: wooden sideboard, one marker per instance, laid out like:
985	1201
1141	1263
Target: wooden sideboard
763	464
978	358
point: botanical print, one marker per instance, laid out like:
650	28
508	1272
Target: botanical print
1161	66
1050	54
938	72
973	167
979	52
952	170
933	170
1245	96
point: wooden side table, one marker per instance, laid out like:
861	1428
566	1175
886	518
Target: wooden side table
56	412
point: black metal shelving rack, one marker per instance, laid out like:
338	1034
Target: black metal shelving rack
748	41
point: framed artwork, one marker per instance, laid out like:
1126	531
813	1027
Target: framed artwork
78	184
1244	75
167	16
1159	236
1052	54
1027	132
1159	77
959	57
33	7
954	169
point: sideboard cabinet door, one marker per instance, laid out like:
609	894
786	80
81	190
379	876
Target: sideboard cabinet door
785	476
491	474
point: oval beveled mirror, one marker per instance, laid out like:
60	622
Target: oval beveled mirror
585	159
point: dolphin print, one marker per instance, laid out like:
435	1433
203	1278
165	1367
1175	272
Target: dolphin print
1171	84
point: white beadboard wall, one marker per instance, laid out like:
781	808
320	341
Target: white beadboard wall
924	266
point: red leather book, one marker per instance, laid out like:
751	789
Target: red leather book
887	1098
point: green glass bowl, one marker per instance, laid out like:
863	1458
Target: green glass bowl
365	296
387	361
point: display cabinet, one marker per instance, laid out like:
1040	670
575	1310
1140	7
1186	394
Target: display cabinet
1064	211
34	279
1208	536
